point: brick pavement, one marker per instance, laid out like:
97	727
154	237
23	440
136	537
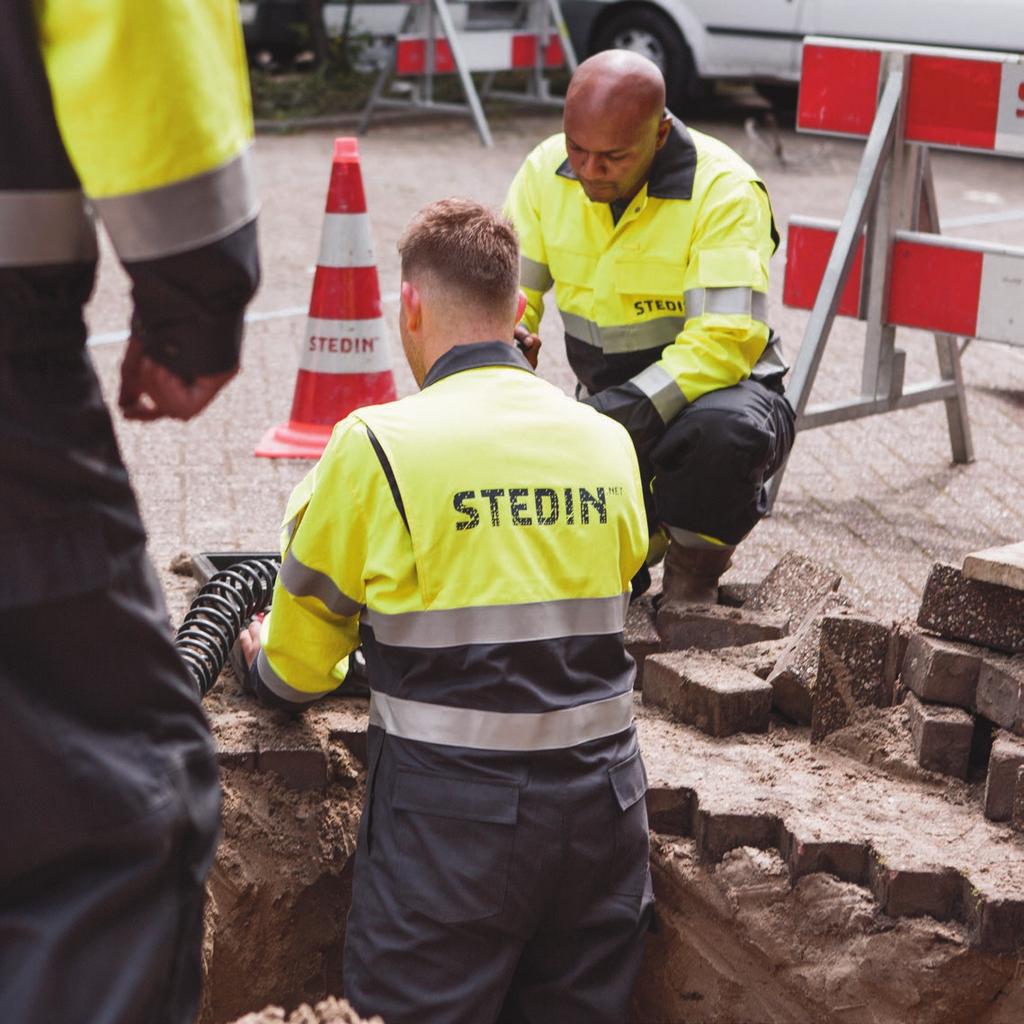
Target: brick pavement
877	499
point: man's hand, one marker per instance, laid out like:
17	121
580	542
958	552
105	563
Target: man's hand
249	640
528	344
150	391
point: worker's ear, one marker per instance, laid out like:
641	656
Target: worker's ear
411	305
664	127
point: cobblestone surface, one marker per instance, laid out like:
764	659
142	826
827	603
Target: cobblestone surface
876	499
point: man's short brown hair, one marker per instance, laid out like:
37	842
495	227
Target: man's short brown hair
467	249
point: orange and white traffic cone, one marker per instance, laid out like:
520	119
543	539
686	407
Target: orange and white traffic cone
345	361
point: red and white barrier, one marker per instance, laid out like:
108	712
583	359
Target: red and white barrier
939	284
345	360
481	51
957	99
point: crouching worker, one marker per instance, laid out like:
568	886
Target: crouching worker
478	539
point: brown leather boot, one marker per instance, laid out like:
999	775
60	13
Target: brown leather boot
691	574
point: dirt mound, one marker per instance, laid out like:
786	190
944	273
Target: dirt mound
330	1011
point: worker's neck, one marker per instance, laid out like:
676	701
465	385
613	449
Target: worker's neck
436	344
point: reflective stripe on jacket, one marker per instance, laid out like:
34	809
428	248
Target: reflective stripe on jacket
670	302
479	538
138	113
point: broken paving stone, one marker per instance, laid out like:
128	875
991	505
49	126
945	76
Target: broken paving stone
942	736
963	609
701	690
709	627
851	670
794	588
640	635
1004	765
796	672
941	671
759	658
1003	566
1000	692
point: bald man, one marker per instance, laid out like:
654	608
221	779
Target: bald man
657	239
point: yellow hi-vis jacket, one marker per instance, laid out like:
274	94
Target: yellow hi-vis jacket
485	567
668	303
138	112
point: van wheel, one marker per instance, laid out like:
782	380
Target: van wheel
653	35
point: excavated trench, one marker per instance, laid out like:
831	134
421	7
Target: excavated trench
834	881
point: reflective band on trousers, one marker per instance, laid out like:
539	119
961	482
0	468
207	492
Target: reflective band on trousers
726	301
185	215
534	275
43	228
302	581
500	624
494	730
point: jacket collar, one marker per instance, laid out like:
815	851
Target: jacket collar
473	356
673	169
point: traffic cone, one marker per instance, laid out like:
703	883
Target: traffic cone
345	361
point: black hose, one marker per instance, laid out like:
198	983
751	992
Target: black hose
221	608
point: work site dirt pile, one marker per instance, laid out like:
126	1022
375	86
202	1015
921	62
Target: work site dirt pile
832	802
329	1011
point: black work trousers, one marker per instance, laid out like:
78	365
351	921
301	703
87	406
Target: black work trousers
110	799
512	890
710	466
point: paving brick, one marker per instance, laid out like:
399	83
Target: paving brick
1002	565
845	860
1004	765
717	833
735	594
795	587
712	626
640	636
916	892
1000	693
851	670
700	690
1018	801
242	758
759	658
963	609
941	671
796	672
942	737
995	925
348	727
670	810
299	767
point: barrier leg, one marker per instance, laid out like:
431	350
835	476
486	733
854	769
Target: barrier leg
468	88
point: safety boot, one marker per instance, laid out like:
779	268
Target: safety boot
691	574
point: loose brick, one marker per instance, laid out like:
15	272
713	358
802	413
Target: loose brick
996	926
1003	566
243	758
716	834
794	588
347	726
1004	765
736	594
942	737
795	675
914	893
1018	801
851	671
845	860
941	671
709	627
963	609
299	767
1000	693
702	691
640	636
759	658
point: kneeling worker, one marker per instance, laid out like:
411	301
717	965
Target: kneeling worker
479	539
657	239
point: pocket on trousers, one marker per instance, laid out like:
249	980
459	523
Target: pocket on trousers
632	845
455	844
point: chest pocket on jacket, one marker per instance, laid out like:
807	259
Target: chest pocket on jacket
662	278
573	268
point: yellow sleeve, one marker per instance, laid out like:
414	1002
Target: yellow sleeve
320	591
522	208
726	286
